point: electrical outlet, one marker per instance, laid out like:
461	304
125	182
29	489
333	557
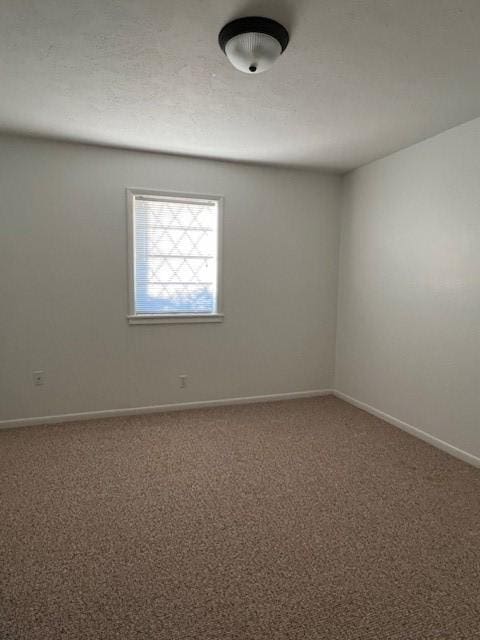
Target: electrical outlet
38	377
183	381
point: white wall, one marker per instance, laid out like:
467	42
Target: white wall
408	334
63	277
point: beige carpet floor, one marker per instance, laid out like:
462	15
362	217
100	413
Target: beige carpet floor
299	520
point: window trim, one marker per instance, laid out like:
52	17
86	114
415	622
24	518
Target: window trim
171	318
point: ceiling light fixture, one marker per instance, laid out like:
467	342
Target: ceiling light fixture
253	44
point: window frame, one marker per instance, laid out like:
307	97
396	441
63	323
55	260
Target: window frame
171	318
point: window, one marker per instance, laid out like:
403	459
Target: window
174	257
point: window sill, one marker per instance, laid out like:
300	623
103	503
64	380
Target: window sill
176	318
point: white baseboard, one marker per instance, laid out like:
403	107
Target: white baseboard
414	431
161	408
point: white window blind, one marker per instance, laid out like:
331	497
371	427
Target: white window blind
175	255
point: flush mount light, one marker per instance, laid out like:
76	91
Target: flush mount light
253	44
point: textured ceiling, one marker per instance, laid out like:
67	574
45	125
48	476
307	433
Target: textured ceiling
359	79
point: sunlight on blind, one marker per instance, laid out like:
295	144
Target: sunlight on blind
175	256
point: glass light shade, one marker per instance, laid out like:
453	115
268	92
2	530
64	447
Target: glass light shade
253	52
